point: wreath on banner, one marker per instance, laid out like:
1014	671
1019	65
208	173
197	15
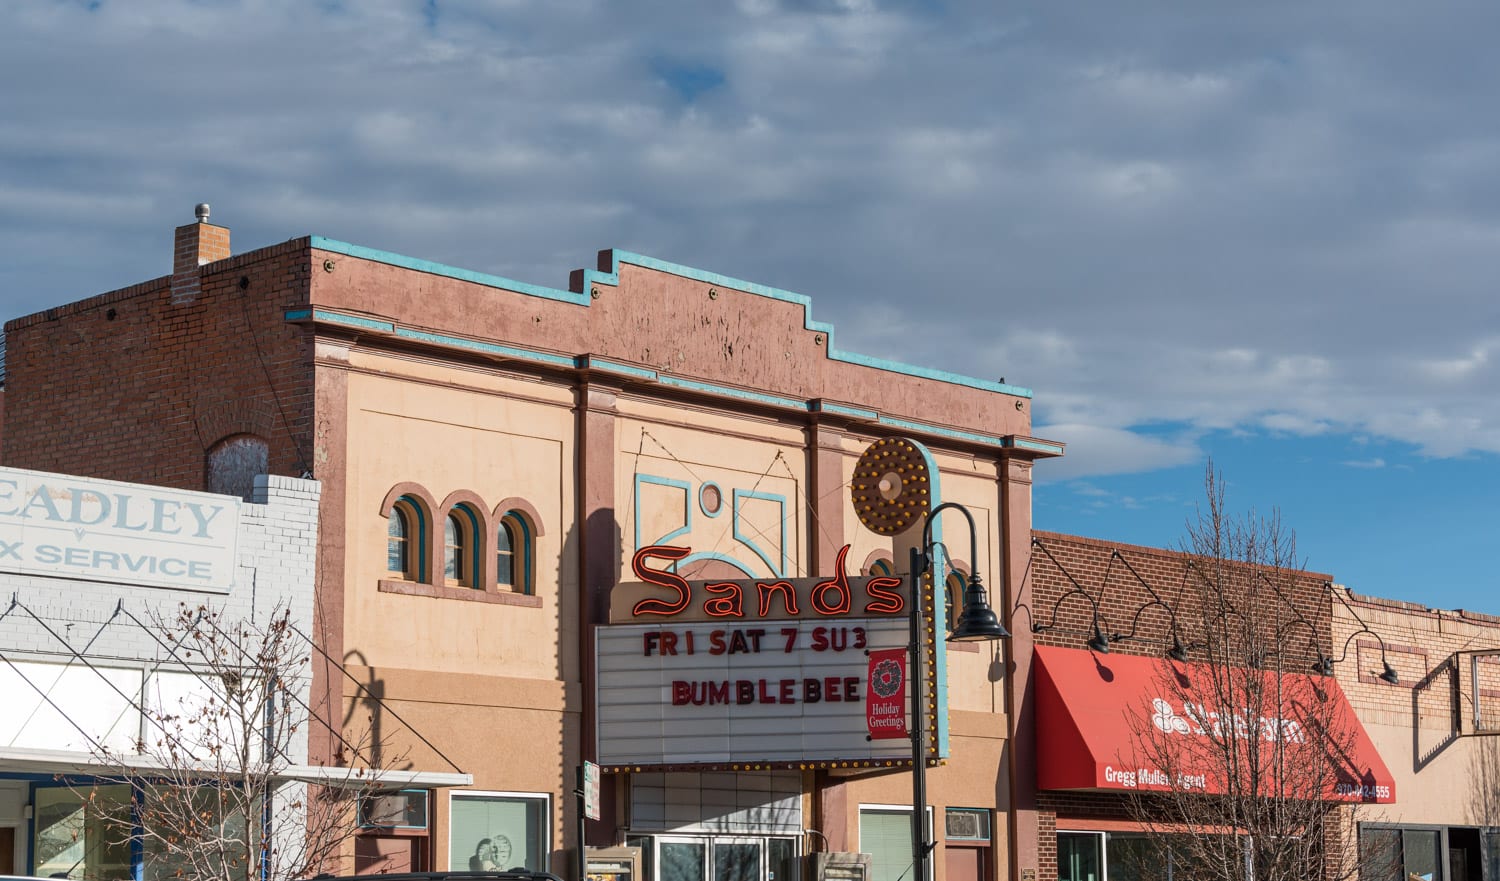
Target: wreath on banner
885	681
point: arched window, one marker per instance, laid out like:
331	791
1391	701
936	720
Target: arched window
403	540
953	597
513	553
232	464
460	528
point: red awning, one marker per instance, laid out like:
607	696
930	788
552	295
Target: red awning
1112	722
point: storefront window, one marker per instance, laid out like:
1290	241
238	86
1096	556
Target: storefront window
682	860
1399	854
1136	858
885	834
489	832
719	857
1080	856
203	838
82	835
1419	854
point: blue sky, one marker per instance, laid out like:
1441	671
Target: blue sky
1267	233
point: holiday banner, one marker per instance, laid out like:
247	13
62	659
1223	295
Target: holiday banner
885	697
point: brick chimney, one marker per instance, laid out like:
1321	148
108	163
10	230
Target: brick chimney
196	244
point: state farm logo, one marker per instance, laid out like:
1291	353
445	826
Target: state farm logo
1167	719
1200	720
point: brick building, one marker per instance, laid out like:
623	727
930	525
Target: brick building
1437	729
494	456
90	569
1134	655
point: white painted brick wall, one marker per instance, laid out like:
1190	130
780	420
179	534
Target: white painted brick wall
277	557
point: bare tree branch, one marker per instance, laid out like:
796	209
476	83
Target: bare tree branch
223	725
1252	751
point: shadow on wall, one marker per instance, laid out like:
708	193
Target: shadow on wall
1484	782
597	555
373	735
1435	696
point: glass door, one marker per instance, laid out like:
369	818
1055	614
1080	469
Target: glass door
1080	856
681	859
739	859
84	834
720	858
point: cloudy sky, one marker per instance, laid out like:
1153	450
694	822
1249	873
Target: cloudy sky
1266	233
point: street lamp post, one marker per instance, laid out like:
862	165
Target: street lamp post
977	623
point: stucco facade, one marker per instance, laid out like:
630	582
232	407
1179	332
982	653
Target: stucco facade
561	430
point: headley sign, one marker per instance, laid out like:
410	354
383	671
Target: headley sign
103	530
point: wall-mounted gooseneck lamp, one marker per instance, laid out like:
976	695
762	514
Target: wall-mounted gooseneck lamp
1099	642
1323	663
1324	666
1177	652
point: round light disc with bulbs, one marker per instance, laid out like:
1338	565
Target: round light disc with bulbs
890	489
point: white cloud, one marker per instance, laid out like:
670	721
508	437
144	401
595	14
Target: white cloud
1376	462
1096	451
1282	218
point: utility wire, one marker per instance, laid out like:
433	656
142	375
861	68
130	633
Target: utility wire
397	716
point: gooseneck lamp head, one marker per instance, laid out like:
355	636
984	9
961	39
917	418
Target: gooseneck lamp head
978	622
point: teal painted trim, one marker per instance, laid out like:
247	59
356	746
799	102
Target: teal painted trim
722	558
687	508
486	348
747	541
714	278
1039	446
840	410
526	552
431	268
340	318
706	512
421	536
612	279
939	564
731	392
709	388
591	363
955	433
475	541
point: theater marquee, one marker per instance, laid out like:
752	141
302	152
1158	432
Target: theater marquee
751	673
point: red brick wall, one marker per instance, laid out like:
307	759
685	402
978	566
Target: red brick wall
128	386
1125	605
1120	597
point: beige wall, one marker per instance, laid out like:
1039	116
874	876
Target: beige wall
697	447
494	687
1443	775
446	440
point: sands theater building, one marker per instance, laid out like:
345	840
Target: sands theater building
593	522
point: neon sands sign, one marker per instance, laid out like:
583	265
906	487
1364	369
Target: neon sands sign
664	593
